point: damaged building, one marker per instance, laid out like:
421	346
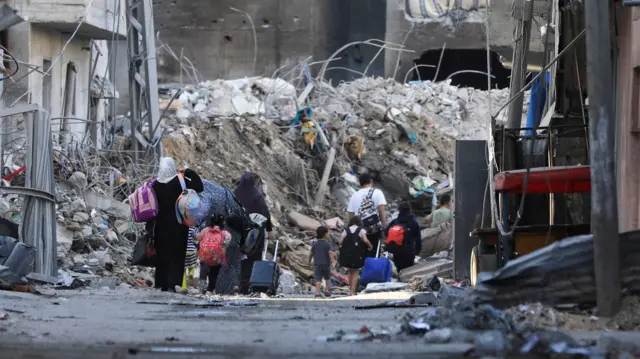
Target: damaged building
62	47
281	33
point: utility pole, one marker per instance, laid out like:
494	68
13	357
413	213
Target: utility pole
523	13
143	75
604	203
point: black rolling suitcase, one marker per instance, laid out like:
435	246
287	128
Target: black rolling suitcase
265	274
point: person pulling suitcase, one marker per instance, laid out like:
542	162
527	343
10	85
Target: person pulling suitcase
265	275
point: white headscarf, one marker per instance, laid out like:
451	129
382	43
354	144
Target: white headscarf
167	170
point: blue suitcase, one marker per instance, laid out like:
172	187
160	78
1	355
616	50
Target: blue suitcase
376	270
265	275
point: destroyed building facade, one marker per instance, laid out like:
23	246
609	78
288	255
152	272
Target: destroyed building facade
51	42
220	39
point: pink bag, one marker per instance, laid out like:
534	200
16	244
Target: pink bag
144	203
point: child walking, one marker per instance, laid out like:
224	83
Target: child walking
220	255
324	257
190	261
353	250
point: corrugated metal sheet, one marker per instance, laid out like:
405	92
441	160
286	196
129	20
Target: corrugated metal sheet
562	273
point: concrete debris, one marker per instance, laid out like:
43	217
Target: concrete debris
397	132
288	283
94	246
437	267
491	332
303	222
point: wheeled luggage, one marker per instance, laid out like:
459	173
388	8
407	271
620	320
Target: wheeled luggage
376	270
265	274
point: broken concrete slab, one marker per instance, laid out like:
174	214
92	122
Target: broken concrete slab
103	202
428	298
303	222
450	295
438	267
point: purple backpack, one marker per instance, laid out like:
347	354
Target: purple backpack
144	203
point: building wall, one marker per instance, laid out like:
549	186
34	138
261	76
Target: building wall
44	43
627	113
220	41
469	34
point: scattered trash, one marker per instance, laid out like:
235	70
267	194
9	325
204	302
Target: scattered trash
4	315
385	287
364	334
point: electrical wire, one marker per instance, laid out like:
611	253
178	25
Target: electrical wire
59	56
7	53
528	165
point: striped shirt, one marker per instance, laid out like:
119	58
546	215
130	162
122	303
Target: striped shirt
191	258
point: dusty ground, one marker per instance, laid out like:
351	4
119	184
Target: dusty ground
114	324
100	324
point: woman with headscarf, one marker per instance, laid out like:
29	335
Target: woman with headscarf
220	201
250	194
171	236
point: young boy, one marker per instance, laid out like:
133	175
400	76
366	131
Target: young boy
324	257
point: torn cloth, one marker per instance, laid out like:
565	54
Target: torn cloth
423	9
310	133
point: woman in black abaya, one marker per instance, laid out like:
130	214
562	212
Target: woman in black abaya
171	236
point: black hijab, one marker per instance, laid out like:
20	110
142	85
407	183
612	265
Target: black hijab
251	196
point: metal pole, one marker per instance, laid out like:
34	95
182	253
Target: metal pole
151	69
69	89
133	50
604	204
519	69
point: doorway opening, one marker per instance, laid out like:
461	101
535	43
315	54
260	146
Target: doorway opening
465	68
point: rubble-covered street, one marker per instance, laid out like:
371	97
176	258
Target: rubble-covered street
111	207
403	134
130	323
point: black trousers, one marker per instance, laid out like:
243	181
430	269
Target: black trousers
374	239
211	274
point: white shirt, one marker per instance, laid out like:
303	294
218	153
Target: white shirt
358	197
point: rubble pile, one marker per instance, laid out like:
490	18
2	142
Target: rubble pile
94	246
524	330
401	133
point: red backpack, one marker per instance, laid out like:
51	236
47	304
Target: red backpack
396	235
211	250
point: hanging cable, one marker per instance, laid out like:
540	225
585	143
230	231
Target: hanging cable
7	53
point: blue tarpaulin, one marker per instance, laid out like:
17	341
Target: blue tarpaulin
537	100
